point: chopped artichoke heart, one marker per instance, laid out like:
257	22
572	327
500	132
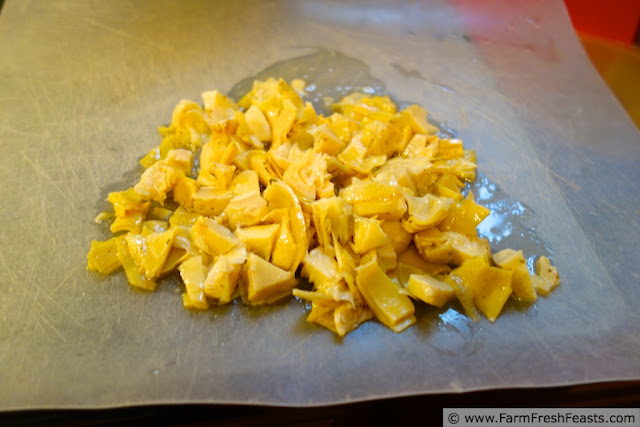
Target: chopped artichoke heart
103	256
430	290
546	277
130	211
464	216
258	124
453	248
390	307
211	237
425	212
370	198
285	248
368	234
259	239
193	275
521	283
490	286
265	281
135	276
222	279
157	181
320	269
399	238
211	201
332	215
246	210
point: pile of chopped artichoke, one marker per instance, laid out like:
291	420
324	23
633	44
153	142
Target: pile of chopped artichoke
366	204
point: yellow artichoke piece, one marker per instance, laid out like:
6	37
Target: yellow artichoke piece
153	226
193	275
266	282
460	167
259	239
160	214
429	289
157	181
402	273
359	106
387	257
258	162
183	217
216	175
448	185
464	216
212	238
279	195
412	257
211	201
425	212
135	276
338	317
325	140
320	269
306	174
421	146
380	138
174	259
522	285
157	247
275	216
546	277
182	239
258	124
368	234
415	117
284	251
213	150
188	115
130	210
218	106
450	148
399	238
283	122
347	263
370	198
180	159
412	174
332	215
222	280
103	256
184	191
390	307
354	158
464	294
490	286
245	182
343	127
450	247
246	210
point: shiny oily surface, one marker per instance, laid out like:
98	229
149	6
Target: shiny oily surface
87	84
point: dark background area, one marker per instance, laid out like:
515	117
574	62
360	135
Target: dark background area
426	409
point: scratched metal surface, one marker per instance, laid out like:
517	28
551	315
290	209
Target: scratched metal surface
84	86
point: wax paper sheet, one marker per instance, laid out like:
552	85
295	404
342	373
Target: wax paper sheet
84	86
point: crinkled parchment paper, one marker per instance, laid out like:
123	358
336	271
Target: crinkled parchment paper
84	86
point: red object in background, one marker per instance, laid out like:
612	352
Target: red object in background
612	19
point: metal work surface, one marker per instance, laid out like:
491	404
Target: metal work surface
84	86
